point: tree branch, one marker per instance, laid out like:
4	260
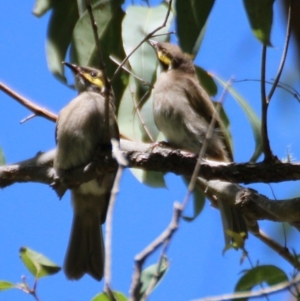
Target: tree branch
140	155
37	110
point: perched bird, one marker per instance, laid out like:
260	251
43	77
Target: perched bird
80	131
183	112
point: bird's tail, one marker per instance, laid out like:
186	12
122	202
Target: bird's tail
85	252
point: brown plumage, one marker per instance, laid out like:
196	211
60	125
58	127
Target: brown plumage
80	132
183	112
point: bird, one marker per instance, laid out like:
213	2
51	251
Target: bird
183	112
81	130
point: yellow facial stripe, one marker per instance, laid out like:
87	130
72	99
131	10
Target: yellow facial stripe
97	81
163	57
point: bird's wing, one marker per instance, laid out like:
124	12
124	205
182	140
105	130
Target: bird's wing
203	105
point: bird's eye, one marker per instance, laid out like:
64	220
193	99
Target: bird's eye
93	74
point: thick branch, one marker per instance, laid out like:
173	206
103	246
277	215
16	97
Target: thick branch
140	155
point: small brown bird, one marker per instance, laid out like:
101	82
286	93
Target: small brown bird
183	112
80	132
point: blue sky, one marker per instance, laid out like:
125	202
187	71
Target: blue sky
31	214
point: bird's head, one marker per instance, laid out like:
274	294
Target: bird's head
171	56
87	78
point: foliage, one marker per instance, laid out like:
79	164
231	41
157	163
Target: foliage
120	29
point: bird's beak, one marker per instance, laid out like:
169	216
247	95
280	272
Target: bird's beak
76	69
153	43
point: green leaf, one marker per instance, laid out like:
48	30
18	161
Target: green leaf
109	18
262	274
151	178
37	264
103	297
5	285
191	18
138	22
252	118
149	274
2	157
206	81
129	121
131	126
83	42
260	15
60	28
198	202
41	7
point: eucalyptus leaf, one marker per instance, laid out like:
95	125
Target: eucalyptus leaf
198	202
206	81
37	264
260	15
6	285
138	22
60	28
269	274
151	178
191	19
252	118
151	273
83	42
103	297
2	157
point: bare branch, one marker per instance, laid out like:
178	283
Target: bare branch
141	257
38	111
284	53
266	291
264	115
141	155
108	232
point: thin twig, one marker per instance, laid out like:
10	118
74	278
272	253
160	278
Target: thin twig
264	101
280	250
257	294
108	232
141	257
281	85
108	93
137	110
284	53
95	32
130	72
154	279
149	35
204	146
38	111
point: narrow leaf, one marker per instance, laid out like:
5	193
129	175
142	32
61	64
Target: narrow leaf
191	19
198	202
37	264
5	285
268	274
149	273
138	22
2	157
206	81
260	15
252	118
103	297
83	42
60	28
